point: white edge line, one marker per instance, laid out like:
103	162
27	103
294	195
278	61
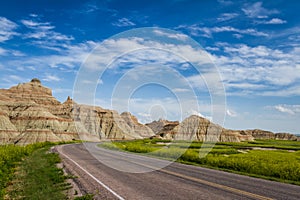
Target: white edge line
93	177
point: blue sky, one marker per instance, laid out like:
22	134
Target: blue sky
255	46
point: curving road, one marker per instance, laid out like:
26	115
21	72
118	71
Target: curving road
120	175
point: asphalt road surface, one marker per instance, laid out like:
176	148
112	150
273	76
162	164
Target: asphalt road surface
118	175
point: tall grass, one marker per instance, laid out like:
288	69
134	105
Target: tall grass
10	155
282	162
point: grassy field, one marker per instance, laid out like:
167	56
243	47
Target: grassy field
10	156
269	159
30	172
38	177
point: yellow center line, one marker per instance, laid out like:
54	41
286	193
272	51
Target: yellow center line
216	185
198	180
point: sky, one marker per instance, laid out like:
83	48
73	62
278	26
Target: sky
236	63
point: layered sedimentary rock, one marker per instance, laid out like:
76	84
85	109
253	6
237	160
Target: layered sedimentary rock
201	129
163	128
139	129
197	128
7	130
261	134
286	136
29	113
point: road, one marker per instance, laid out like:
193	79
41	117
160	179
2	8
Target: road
120	175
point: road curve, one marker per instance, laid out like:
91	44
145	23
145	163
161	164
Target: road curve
175	181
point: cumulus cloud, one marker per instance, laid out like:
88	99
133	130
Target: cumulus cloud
145	52
258	70
276	21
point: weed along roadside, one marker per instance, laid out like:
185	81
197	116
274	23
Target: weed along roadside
277	160
31	172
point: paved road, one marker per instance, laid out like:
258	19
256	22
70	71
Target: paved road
175	181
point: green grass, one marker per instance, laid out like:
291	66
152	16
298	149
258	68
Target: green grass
277	144
26	170
38	177
85	197
281	164
10	156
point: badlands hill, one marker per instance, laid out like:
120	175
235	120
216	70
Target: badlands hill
29	113
199	128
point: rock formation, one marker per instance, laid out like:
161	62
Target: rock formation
286	136
261	134
164	128
29	113
201	129
196	128
139	129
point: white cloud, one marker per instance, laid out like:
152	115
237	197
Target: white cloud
225	2
231	113
209	31
150	109
33	15
51	78
256	10
180	90
177	36
50	67
123	22
7	29
259	70
212	48
145	52
31	68
43	35
194	112
14	78
289	109
8	52
275	21
2	51
99	82
62	91
34	24
227	16
91	8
